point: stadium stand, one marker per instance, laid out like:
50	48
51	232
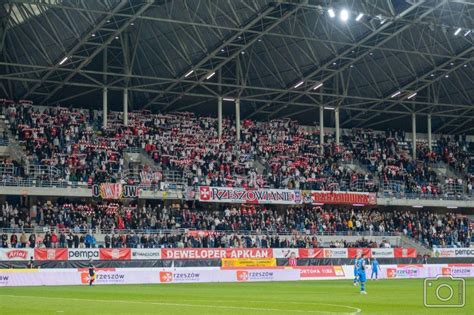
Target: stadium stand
245	226
206	145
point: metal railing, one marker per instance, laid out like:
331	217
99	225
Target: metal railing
132	150
8	170
7	181
302	233
43	171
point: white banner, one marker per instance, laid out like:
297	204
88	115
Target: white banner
453	252
83	254
382	252
11	254
335	253
146	253
38	277
285	252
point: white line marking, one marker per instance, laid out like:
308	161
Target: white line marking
197	305
357	310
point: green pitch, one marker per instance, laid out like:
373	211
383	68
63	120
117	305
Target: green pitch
304	297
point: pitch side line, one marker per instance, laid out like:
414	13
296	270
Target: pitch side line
194	305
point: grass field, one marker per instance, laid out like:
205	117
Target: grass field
310	297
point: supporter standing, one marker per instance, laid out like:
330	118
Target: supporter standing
23	240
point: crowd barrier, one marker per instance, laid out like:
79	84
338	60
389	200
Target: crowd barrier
71	254
80	276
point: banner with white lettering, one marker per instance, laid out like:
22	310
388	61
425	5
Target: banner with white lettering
115	191
215	253
252	196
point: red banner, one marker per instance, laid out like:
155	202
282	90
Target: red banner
337	197
51	254
115	254
354	252
310	253
321	271
215	253
405	252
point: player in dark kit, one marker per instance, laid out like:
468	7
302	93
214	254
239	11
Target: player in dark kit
91	273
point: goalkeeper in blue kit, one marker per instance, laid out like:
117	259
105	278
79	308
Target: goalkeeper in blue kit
361	273
375	269
356	271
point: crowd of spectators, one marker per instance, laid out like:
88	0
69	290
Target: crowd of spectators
63	139
302	222
272	154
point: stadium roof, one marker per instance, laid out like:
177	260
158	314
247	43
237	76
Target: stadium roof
273	55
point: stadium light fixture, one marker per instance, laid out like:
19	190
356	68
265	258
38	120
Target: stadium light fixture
318	204
189	73
359	17
318	86
451	207
446	76
63	60
210	76
457	32
298	84
467	33
329	108
417	206
331	13
229	99
395	94
344	15
93	35
411	95
358	204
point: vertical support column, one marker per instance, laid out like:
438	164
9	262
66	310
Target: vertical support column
413	134
336	118
321	128
429	133
219	116
125	107
237	118
104	108
104	91
126	67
